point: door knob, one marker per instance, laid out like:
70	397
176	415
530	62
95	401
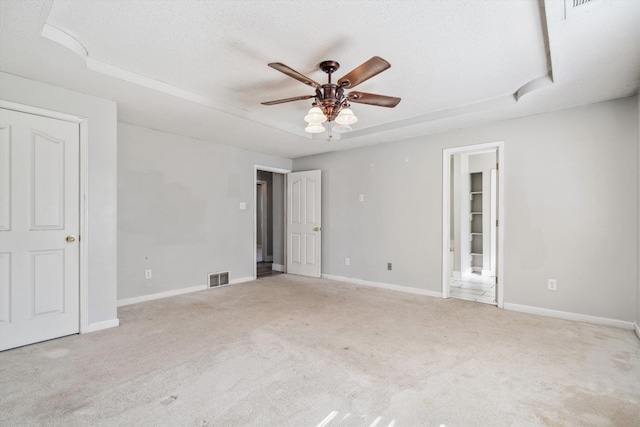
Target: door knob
71	238
317	229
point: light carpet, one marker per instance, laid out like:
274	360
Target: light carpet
294	351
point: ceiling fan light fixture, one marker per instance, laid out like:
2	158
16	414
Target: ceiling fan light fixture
314	128
315	116
346	117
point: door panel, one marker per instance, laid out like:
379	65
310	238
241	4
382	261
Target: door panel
47	183
39	268
304	223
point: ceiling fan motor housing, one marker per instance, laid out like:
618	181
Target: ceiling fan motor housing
330	99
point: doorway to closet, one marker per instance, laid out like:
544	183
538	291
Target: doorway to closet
269	224
472	223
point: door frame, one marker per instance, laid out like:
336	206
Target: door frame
281	171
264	189
83	241
446	213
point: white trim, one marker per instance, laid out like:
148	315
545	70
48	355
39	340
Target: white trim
637	329
277	267
176	292
84	227
98	326
160	295
264	189
446	212
242	280
8	105
83	177
264	168
604	321
271	169
57	35
406	289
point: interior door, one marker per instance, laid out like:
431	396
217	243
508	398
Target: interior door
39	224
304	232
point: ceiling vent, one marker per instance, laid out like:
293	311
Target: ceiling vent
218	279
577	3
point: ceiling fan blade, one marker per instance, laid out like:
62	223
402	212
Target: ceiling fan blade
372	67
373	99
282	101
293	73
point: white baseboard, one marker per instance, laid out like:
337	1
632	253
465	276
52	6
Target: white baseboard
151	297
277	267
98	326
172	293
405	289
242	280
570	316
637	328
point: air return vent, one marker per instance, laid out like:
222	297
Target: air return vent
577	3
218	279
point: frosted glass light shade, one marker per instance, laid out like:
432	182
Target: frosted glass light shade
314	128
315	115
346	117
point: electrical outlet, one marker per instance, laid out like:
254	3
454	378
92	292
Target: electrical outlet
361	198
389	266
551	284
346	261
147	274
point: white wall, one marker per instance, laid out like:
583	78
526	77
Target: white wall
102	125
570	208
178	211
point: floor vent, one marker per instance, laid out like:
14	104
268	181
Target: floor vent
218	279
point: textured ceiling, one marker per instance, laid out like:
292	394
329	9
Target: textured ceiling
199	68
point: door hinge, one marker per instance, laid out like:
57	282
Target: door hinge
496	222
497	166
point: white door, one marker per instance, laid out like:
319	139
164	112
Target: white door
304	223
39	224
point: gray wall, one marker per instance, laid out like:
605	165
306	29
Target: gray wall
178	211
570	208
102	125
638	259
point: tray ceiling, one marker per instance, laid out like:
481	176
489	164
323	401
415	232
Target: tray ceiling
200	68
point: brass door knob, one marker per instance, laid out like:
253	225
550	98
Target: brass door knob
71	238
317	229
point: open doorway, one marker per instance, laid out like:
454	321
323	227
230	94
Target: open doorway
472	223
269	237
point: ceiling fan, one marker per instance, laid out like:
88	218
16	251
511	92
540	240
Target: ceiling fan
331	102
